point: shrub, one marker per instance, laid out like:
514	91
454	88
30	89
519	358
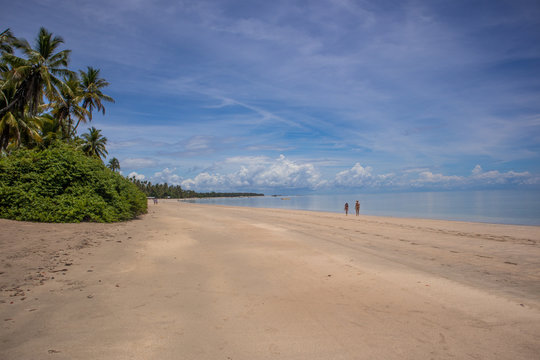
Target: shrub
61	184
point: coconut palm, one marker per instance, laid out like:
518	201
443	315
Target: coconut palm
6	41
94	143
50	130
91	85
67	107
35	75
114	164
17	128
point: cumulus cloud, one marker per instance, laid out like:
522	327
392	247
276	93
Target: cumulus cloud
496	177
258	173
477	178
137	176
286	173
261	173
206	181
360	176
167	176
356	176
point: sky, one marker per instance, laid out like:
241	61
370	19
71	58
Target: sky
310	96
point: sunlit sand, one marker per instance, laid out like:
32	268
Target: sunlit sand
191	281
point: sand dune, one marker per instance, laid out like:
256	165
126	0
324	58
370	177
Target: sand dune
192	281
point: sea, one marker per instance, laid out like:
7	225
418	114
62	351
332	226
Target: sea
518	207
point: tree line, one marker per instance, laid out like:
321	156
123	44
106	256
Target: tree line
164	191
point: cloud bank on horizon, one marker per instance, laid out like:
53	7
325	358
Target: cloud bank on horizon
311	95
266	174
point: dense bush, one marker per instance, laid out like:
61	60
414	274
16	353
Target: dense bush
61	184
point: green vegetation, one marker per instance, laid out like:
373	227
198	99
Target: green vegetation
94	143
42	100
114	164
176	192
61	184
47	172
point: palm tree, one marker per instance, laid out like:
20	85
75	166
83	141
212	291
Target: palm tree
6	41
35	75
114	164
67	106
91	85
17	128
50	130
94	143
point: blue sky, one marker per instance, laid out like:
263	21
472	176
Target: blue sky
301	96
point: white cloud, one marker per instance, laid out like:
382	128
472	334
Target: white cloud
167	176
261	173
359	176
199	143
356	176
137	176
138	163
477	170
286	173
258	173
478	178
429	178
206	181
248	160
496	177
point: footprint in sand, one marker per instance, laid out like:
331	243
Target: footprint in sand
274	350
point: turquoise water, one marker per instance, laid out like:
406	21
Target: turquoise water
493	206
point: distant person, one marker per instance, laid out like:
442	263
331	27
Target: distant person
346	208
357	207
155	201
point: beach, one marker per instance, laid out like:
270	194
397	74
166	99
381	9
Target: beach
190	281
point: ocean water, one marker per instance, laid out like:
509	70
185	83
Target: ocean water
491	206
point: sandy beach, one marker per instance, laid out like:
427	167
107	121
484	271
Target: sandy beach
191	281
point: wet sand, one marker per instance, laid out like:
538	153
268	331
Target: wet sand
193	281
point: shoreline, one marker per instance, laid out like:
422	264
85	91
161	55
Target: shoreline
512	207
193	281
411	218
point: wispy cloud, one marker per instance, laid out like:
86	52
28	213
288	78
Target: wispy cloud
441	86
138	163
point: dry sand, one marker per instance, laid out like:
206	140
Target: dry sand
192	281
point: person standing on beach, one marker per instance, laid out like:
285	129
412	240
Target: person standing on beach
346	208
357	208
